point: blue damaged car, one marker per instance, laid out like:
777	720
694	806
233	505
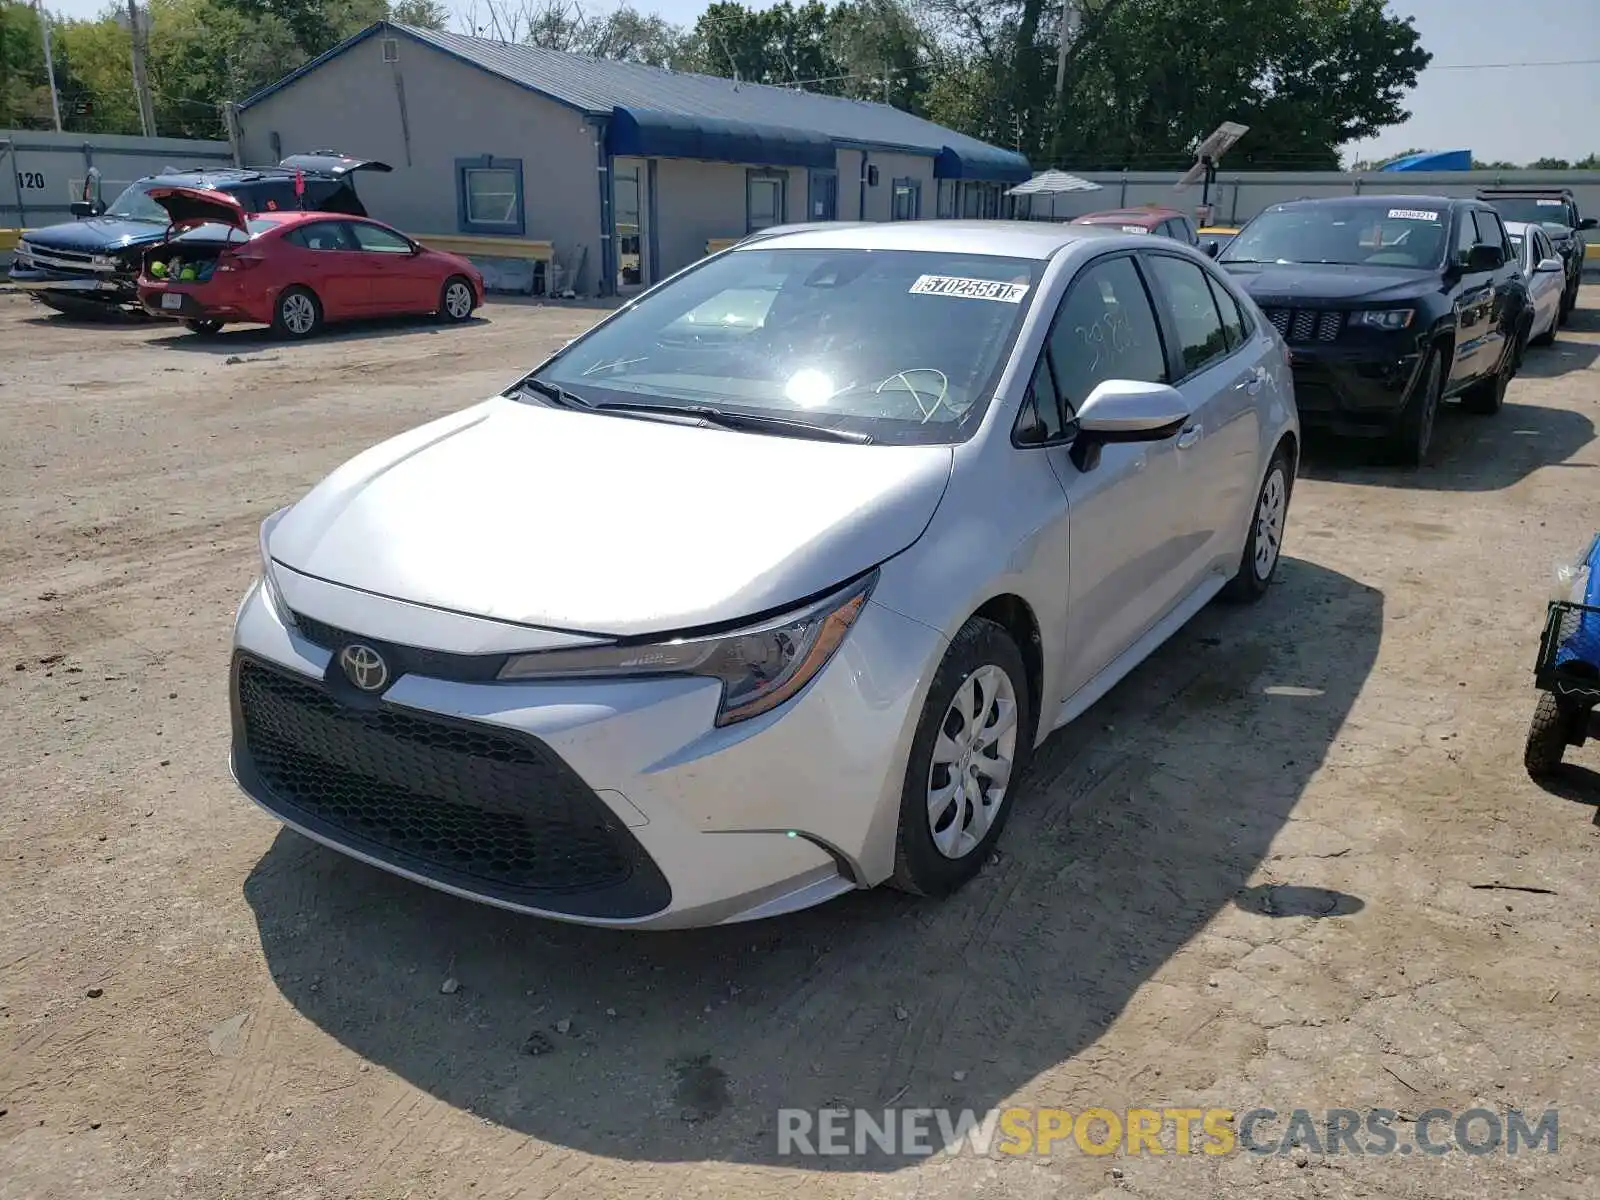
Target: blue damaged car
90	265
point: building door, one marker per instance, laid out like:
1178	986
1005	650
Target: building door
627	212
824	196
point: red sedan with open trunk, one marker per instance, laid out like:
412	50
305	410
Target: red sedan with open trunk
293	270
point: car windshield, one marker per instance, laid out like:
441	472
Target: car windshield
900	346
135	205
1535	210
1516	244
1391	234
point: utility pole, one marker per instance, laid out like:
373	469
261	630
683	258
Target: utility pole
49	62
1071	17
141	84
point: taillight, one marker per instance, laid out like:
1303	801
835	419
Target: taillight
237	262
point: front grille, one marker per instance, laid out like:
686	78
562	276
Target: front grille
1301	325
65	261
452	801
407	660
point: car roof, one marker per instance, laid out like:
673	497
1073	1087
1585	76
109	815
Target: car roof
1005	239
1510	190
1150	214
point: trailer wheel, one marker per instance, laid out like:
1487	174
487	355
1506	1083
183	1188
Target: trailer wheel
1548	735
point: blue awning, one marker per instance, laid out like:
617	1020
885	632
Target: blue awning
977	161
650	133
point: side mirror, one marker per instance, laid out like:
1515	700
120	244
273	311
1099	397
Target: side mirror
1213	248
1550	266
1588	223
1485	258
82	208
1126	410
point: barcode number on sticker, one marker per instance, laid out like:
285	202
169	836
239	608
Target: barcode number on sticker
969	289
1412	214
1550	204
1134	229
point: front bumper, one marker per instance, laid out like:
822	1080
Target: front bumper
1356	391
611	802
33	279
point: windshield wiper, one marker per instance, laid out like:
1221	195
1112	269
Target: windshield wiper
557	395
753	422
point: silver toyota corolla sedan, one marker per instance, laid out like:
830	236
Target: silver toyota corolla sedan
767	587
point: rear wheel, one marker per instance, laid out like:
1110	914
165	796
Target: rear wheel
1547	338
972	744
297	314
1569	301
205	326
456	299
1413	434
1548	735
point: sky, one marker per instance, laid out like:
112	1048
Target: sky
1475	95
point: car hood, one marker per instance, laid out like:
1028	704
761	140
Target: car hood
96	235
607	525
1288	284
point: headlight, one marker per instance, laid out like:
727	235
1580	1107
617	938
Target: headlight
759	667
1383	318
269	585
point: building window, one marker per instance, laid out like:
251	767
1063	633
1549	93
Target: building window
489	195
764	200
907	204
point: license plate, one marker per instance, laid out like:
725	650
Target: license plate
171	300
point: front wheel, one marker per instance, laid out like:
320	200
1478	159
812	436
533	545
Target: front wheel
1548	735
1262	548
297	314
1413	434
456	299
972	743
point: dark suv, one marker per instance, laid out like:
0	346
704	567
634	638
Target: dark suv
1556	211
1389	304
90	265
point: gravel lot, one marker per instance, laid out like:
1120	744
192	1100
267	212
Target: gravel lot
1250	877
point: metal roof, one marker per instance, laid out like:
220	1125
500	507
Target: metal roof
660	103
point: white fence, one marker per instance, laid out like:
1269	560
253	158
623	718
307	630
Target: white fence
41	174
1238	196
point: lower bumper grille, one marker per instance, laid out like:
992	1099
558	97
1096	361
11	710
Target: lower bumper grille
495	814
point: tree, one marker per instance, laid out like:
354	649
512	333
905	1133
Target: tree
1549	164
424	14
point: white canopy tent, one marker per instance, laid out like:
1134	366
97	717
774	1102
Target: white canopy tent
1050	184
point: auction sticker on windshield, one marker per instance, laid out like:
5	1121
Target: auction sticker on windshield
1412	214
969	289
1549	203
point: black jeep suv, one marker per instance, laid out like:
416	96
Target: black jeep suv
1556	210
1389	304
89	266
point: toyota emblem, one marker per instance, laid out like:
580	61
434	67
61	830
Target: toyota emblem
364	667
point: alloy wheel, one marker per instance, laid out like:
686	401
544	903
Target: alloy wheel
458	300
299	314
972	761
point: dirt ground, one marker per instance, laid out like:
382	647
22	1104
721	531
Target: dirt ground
1252	876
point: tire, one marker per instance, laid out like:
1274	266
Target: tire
1569	301
1547	338
1487	398
456	299
205	327
1548	736
297	313
982	665
1263	547
1413	433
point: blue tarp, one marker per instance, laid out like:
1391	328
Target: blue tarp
650	133
1433	160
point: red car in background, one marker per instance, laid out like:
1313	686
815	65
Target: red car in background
1152	219
293	270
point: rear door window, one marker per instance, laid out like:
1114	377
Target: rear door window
1202	339
323	235
1233	323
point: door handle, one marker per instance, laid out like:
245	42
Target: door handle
1189	437
1250	386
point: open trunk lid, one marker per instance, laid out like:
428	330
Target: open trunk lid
331	163
188	208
